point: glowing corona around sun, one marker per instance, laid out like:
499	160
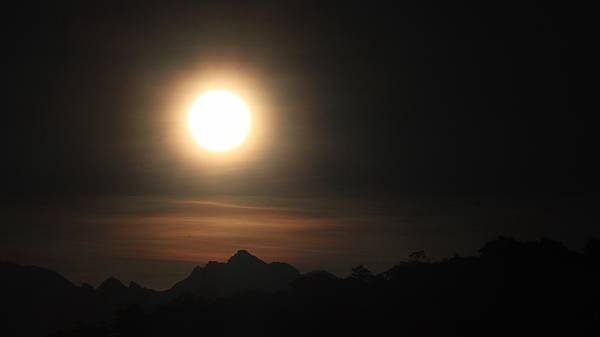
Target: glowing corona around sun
219	120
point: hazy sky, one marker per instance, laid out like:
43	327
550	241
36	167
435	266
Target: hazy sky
158	240
378	131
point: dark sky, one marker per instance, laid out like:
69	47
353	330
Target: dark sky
385	129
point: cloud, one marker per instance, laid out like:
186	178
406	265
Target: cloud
137	236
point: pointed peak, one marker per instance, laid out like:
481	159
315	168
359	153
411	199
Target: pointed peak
196	271
242	256
242	252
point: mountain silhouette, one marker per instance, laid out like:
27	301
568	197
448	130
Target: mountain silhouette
33	294
243	258
53	302
242	271
114	294
510	288
112	285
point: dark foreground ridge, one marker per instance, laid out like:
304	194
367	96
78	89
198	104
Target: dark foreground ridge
510	288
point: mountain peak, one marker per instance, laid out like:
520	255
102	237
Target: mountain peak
111	284
243	257
242	252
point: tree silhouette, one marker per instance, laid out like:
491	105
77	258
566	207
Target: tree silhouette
418	256
362	274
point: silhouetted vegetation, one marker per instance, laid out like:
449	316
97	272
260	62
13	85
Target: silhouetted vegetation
510	288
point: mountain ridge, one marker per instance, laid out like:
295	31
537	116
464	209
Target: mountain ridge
49	289
242	271
456	289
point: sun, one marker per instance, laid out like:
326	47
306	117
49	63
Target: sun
219	120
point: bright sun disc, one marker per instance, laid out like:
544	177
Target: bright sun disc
219	120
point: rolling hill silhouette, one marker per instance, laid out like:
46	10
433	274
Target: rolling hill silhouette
510	288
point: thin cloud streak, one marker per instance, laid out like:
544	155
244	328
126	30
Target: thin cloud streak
166	237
